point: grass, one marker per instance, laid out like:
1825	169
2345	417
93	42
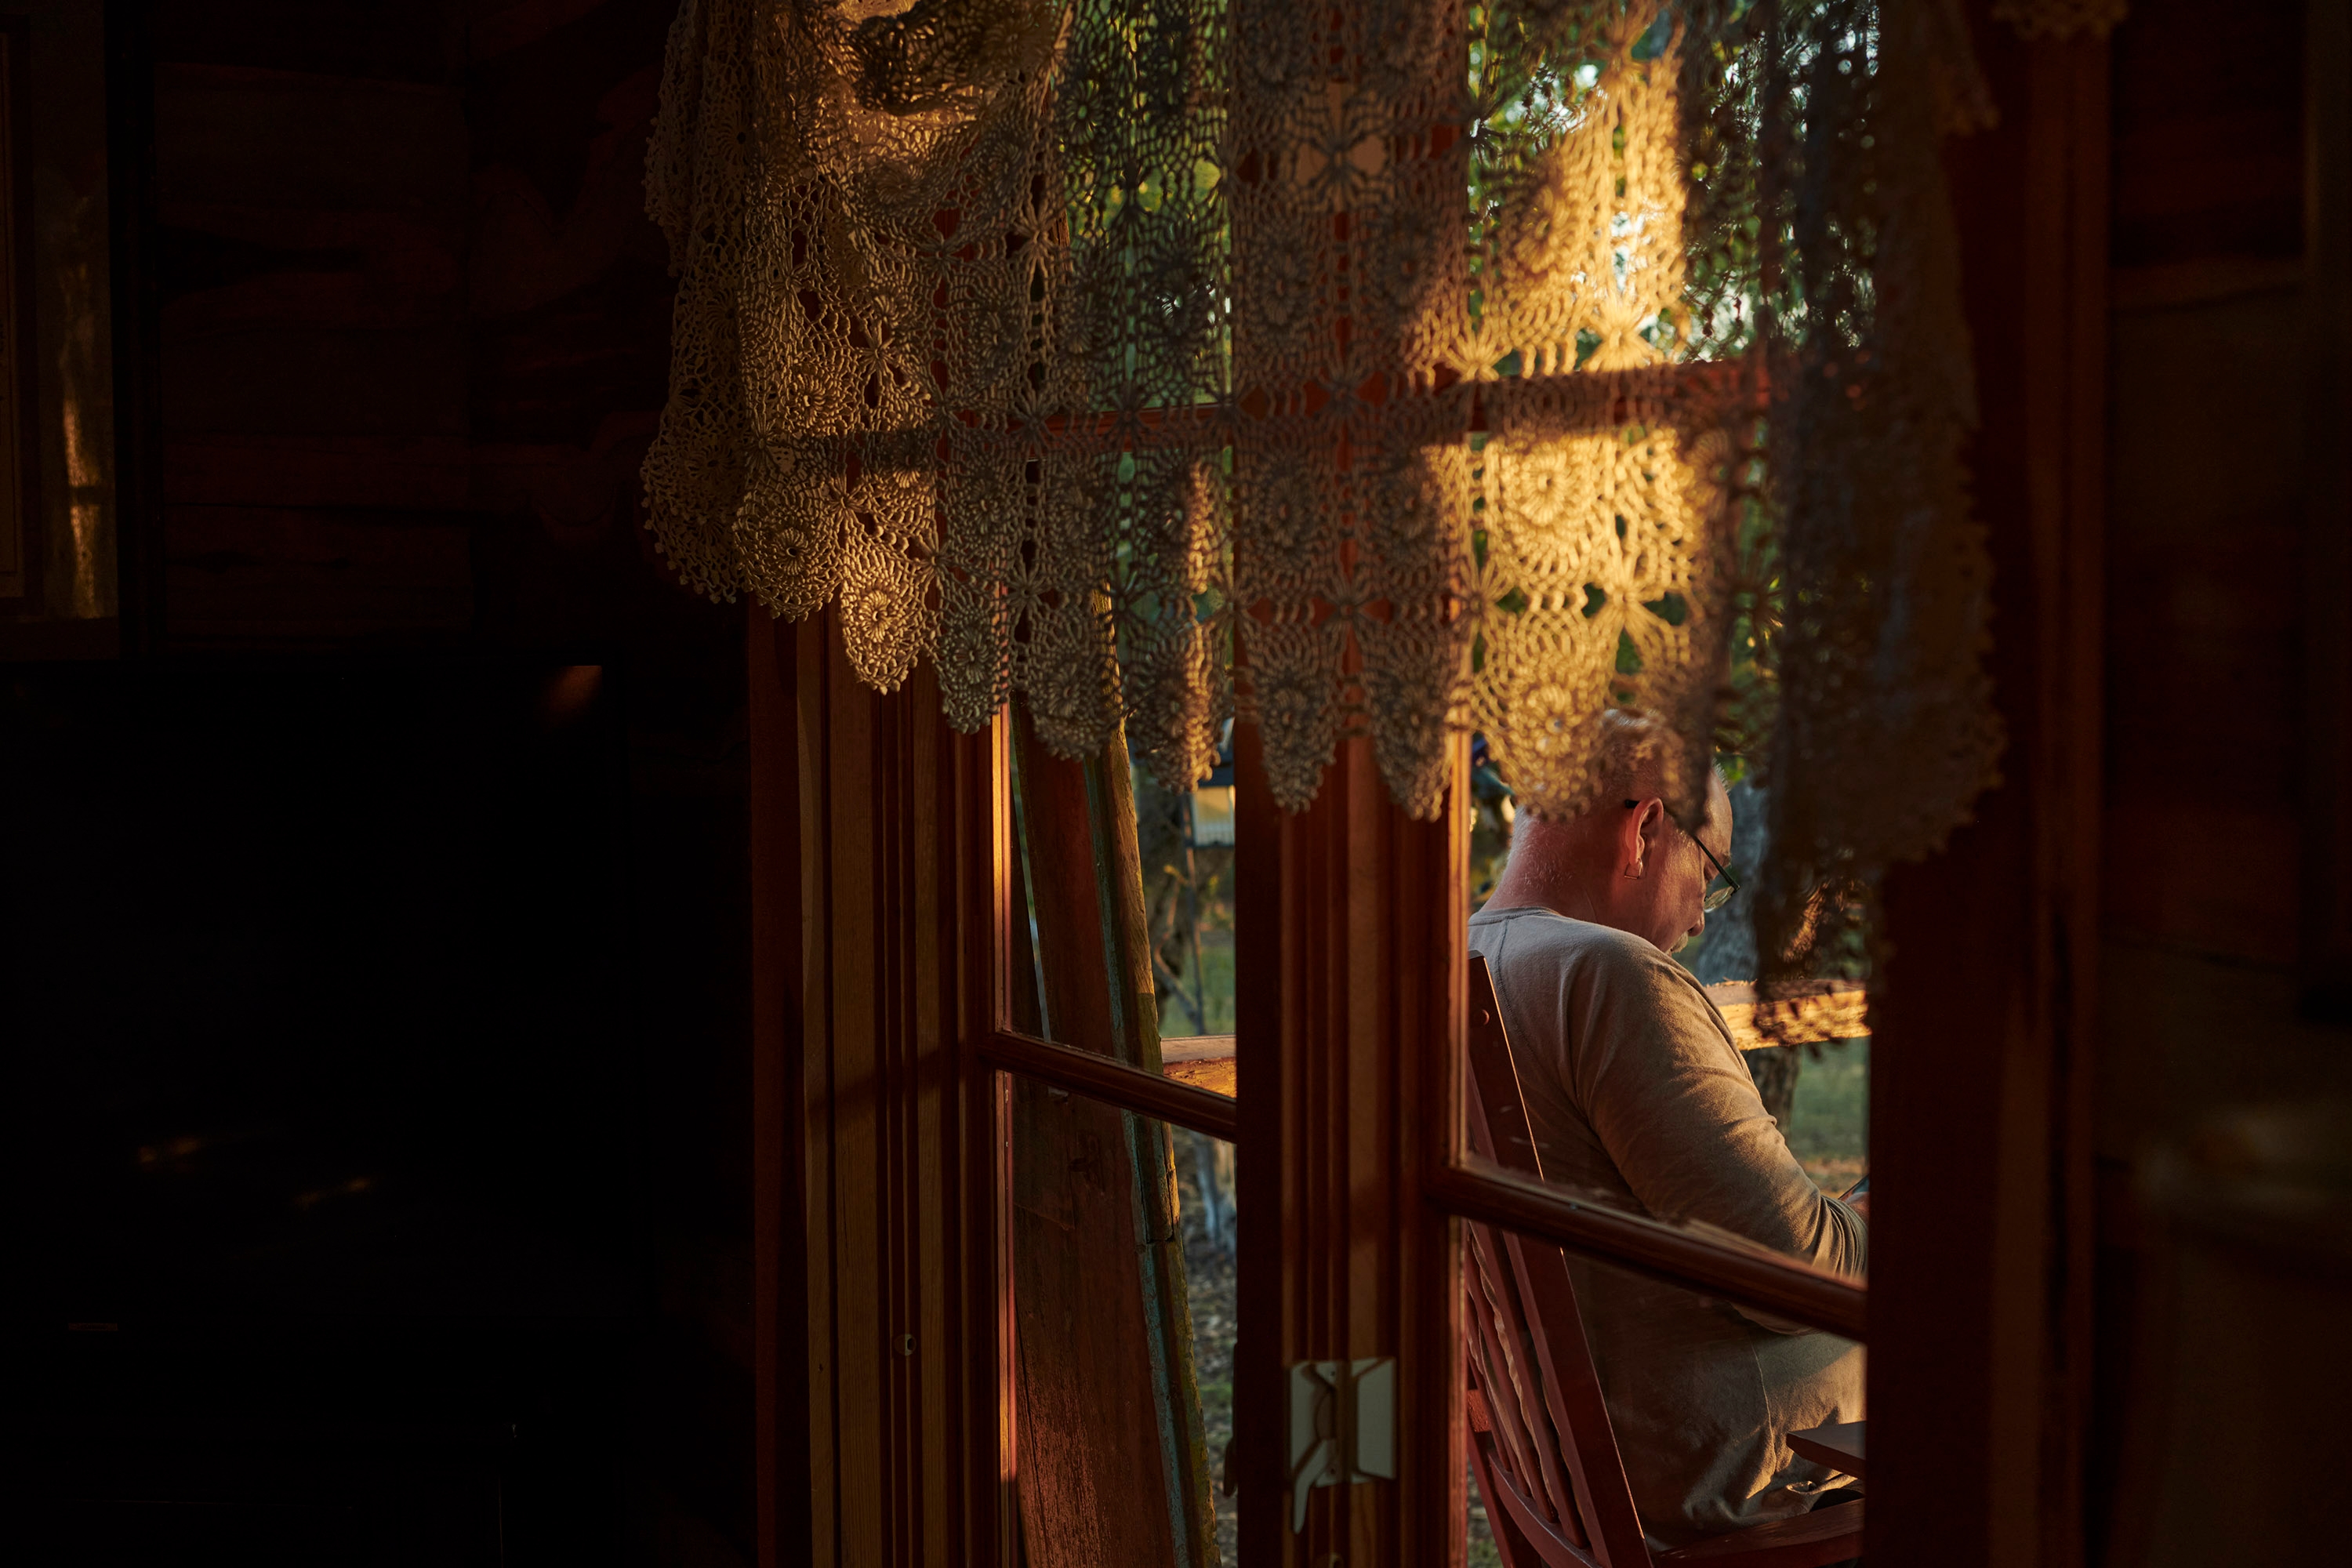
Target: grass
1209	1280
1829	1120
1216	991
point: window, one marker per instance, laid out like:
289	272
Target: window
1120	1295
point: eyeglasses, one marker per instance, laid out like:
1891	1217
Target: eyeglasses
1715	898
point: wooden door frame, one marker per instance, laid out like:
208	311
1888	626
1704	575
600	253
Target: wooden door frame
1350	982
881	1346
877	1112
1982	1074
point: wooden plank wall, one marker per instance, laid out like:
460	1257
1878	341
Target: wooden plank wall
414	321
313	300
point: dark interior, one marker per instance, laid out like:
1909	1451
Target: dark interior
376	947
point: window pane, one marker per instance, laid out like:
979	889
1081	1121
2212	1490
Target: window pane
1186	844
1619	1054
1122	1227
1689	1438
1818	1090
1123	911
1828	1120
1647	1073
1121	1353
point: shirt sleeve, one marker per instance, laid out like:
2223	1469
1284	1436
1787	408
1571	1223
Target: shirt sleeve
1653	1064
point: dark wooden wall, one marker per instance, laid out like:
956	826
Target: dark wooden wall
415	323
2118	950
415	844
2216	824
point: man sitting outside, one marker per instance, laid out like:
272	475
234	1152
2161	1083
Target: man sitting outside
1636	1091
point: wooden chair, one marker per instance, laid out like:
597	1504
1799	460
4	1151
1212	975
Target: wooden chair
1547	1457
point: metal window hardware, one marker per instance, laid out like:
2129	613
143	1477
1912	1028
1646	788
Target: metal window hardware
1342	1426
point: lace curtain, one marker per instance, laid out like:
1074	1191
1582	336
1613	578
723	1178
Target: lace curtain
950	347
1399	367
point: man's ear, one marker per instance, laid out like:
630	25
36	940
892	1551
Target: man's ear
1639	832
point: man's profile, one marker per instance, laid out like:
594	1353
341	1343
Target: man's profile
1634	1090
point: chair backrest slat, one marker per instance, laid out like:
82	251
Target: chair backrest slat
1594	1503
1572	1393
1513	1393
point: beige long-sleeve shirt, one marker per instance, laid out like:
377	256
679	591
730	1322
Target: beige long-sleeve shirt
1636	1092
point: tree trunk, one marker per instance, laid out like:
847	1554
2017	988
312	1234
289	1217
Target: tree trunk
1774	1069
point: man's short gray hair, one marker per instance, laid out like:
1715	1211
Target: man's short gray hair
1630	755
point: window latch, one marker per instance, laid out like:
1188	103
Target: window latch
1342	1426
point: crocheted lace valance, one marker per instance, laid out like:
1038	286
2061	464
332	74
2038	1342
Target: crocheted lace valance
1429	367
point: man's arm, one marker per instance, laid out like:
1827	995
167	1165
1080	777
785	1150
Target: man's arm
1672	1103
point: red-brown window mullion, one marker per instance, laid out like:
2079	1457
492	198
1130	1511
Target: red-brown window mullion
1111	1081
1530	1207
1348	974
